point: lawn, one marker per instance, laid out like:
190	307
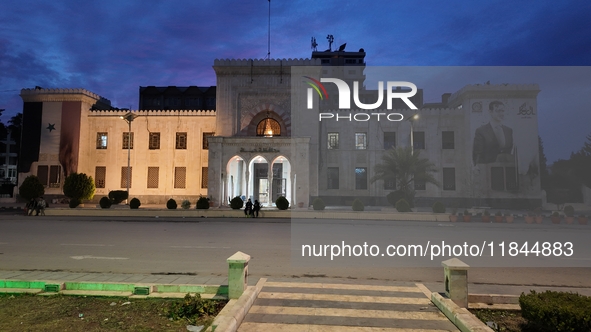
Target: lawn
23	312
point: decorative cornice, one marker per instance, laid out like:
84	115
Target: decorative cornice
266	62
153	112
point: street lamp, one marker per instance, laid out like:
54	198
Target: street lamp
411	119
129	117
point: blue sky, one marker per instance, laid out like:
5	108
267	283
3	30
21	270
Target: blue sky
113	47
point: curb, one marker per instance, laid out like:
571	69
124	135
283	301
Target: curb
460	317
230	318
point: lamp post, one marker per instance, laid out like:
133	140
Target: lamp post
411	119
129	117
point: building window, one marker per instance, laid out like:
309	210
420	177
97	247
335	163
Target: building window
204	177
210	102
101	140
154	141
180	175
43	174
420	184
124	176
332	176
447	140
418	140
449	178
389	140
360	141
360	178
153	177
390	184
127	141
54	176
333	141
100	175
195	102
205	140
181	141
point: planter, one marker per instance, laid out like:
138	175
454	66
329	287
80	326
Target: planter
301	205
569	220
582	220
467	218
555	220
509	218
539	219
498	218
529	219
485	218
453	217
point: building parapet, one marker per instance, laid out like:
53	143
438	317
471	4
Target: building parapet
153	112
505	87
25	93
266	62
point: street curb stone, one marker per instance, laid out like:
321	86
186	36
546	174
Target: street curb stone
461	317
230	318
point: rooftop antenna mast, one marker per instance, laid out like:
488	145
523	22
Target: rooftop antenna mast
269	34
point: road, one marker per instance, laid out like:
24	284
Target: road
200	246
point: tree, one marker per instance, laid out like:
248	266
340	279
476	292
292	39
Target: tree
543	164
79	186
31	188
403	166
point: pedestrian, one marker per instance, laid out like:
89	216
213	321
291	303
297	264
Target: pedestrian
31	206
248	208
41	205
256	208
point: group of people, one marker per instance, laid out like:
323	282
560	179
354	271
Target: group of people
252	210
36	205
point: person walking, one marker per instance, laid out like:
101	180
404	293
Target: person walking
31	206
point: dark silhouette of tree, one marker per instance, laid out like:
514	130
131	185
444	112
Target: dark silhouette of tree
403	166
543	164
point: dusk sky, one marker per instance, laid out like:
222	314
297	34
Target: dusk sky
113	47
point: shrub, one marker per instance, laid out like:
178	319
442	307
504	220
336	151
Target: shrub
118	196
202	203
74	202
134	203
397	195
105	202
193	307
486	213
186	204
403	206
569	211
358	205
555	214
236	203
556	311
438	207
282	203
171	204
31	188
318	204
79	185
467	213
498	214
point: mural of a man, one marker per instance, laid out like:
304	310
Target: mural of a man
493	138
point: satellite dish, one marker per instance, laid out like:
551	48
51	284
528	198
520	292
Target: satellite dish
342	47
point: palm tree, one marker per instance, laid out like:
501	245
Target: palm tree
405	167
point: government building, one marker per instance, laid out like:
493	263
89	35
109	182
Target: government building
276	127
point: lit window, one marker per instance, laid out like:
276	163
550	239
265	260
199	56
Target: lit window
101	140
360	141
333	141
